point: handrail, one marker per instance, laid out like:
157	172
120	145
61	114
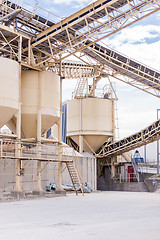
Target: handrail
77	166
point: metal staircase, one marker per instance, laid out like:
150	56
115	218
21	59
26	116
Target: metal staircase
79	89
73	168
75	178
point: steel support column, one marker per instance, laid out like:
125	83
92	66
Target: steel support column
39	127
60	153
18	186
157	148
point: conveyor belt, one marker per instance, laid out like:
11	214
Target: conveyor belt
100	17
77	21
145	136
52	39
124	65
30	19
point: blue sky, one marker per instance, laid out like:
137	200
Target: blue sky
140	41
58	8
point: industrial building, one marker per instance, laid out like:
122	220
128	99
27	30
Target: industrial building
34	60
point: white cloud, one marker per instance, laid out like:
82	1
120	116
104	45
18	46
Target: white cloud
137	34
139	43
145	53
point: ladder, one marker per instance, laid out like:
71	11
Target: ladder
73	168
80	87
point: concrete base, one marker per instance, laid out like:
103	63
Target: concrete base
17	194
153	187
39	193
60	192
124	186
28	193
54	194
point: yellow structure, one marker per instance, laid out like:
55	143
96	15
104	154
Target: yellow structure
9	94
90	122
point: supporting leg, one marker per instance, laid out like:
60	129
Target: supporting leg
39	187
113	172
39	191
18	193
60	153
18	186
59	156
80	143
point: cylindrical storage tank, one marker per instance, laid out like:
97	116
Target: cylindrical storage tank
40	91
9	94
92	118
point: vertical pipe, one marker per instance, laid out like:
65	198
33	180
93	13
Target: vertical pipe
39	127
39	187
80	143
60	140
112	168
157	149
95	173
29	51
1	148
94	86
18	186
20	49
145	153
86	86
113	119
80	123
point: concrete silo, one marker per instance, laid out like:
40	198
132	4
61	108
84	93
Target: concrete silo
9	94
40	96
90	122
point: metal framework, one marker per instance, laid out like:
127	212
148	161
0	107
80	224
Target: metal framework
145	136
73	69
95	22
39	43
126	69
49	153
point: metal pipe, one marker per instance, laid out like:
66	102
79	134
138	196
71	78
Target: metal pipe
18	186
60	150
157	149
145	153
3	135
39	128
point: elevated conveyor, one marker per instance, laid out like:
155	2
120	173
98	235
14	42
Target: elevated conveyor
114	10
53	42
101	18
145	136
27	21
127	67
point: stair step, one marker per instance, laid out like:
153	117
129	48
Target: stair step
73	175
